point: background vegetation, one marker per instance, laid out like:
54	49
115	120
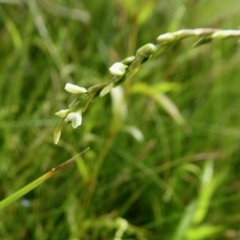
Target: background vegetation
146	176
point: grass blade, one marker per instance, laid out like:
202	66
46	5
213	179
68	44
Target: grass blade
5	202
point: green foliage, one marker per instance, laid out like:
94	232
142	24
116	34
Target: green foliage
144	177
20	193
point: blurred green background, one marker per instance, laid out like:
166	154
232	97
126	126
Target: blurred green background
145	176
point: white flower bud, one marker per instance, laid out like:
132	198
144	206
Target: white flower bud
62	113
118	69
74	88
127	61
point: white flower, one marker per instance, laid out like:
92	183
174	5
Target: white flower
62	113
75	118
74	89
118	69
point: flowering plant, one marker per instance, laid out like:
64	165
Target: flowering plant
125	69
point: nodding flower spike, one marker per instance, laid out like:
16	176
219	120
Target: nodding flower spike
118	69
75	89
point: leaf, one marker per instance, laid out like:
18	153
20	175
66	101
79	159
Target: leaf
106	90
156	88
209	185
170	107
7	201
145	12
186	222
204	232
135	132
203	40
166	103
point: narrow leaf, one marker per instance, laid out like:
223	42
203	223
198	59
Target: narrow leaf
170	108
7	201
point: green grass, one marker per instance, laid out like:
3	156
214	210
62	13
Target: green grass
179	182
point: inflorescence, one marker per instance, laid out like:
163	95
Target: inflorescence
125	69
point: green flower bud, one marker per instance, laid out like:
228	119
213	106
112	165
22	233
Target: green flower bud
128	60
62	113
146	51
167	38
